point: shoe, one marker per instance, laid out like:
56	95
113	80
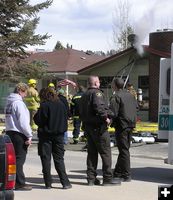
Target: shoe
83	139
126	178
74	142
65	187
93	182
23	187
111	182
48	186
84	148
123	178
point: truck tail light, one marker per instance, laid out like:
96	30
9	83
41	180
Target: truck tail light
11	166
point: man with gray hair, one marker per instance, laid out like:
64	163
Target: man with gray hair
124	107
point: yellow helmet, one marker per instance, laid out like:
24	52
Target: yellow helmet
51	85
32	81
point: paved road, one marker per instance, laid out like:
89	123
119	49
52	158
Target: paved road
148	172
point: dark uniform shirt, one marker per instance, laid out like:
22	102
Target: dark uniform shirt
93	109
65	102
74	107
124	107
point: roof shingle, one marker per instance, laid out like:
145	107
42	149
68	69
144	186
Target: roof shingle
66	60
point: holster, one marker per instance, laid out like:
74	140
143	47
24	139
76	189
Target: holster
103	128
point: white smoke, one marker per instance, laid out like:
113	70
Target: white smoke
143	27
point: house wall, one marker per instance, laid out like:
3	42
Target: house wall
5	89
160	41
111	68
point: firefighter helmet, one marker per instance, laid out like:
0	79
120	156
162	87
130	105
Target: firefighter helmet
51	85
32	81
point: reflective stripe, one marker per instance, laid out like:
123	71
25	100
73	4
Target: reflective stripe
77	97
76	139
31	103
76	117
72	103
32	107
28	99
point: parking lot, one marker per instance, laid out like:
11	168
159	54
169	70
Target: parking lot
148	173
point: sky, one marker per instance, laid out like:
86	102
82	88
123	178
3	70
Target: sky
88	24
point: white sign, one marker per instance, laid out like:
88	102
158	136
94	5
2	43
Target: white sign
170	138
164	98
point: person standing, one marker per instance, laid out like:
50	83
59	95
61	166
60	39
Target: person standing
17	122
32	101
74	110
51	119
52	85
65	102
131	89
124	107
95	114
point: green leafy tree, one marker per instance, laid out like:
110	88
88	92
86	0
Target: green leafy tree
17	30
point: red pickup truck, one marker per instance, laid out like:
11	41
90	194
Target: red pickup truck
7	168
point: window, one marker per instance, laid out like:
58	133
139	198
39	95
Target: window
143	82
105	81
168	81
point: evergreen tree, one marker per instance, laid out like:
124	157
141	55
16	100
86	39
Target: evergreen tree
18	22
59	46
69	46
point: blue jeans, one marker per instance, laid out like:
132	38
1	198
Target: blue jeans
66	137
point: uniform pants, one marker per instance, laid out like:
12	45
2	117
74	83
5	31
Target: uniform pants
18	140
98	143
122	167
76	125
32	123
54	147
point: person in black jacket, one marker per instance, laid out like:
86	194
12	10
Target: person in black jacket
74	110
51	119
124	106
95	116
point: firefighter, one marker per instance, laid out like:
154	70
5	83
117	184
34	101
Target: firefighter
32	101
74	109
95	115
52	85
132	90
